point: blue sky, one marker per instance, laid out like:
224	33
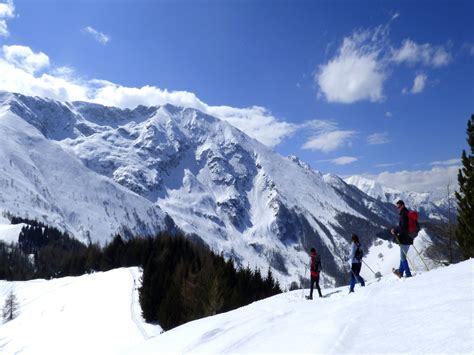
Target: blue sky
380	88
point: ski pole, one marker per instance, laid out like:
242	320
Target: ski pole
369	268
406	254
355	276
426	266
302	286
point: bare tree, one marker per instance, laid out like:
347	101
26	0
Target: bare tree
10	309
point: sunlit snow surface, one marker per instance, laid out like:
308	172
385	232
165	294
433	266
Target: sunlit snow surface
90	314
98	314
9	232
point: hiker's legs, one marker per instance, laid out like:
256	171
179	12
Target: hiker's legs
403	260
316	280
311	289
403	257
353	278
356	274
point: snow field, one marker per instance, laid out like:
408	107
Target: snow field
430	313
9	233
90	314
99	314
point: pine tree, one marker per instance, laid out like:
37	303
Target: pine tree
465	197
10	308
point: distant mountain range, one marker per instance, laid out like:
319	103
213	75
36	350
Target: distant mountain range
95	171
429	205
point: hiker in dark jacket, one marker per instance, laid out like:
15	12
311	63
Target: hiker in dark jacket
401	236
315	266
355	260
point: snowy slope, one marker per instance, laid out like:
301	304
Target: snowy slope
97	314
40	180
430	313
9	232
91	314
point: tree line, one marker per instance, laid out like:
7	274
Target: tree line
181	280
201	283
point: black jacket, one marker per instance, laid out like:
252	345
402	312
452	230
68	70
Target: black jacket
402	230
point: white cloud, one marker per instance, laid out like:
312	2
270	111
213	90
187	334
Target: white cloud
327	136
63	72
434	180
388	114
449	162
344	160
356	73
15	79
100	37
410	52
7	10
24	58
362	64
19	67
256	121
378	138
419	84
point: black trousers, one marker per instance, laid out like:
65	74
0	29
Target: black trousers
355	275
315	280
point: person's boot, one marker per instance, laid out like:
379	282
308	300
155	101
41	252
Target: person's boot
397	272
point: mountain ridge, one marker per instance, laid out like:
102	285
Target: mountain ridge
140	171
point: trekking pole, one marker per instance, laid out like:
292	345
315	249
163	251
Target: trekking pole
426	266
369	268
406	254
302	286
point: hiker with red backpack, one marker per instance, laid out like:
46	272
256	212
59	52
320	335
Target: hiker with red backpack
355	259
315	268
403	238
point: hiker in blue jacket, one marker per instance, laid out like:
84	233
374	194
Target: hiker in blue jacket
355	259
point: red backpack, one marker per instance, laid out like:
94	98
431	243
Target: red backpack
413	226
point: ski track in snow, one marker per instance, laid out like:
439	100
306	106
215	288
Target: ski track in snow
136	319
351	329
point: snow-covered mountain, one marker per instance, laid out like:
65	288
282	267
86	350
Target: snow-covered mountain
99	314
94	171
429	205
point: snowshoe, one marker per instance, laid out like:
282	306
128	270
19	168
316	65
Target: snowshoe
397	272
